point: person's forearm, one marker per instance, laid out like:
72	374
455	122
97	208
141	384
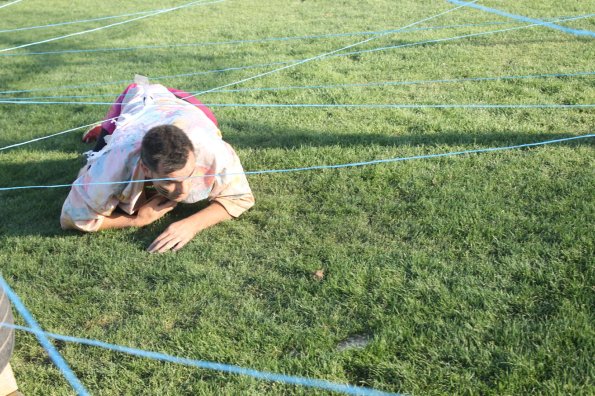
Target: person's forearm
119	220
154	209
213	214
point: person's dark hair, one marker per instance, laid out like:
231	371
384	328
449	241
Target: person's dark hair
165	149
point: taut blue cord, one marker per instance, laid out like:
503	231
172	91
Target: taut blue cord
577	32
52	135
333	86
43	340
11	3
405	106
344	105
152	78
450	38
320	167
74	22
228	368
395	83
110	25
249	41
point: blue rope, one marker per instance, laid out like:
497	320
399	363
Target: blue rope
110	25
577	32
127	81
344	105
227	368
320	167
73	22
43	340
454	38
54	134
251	41
332	86
284	63
395	83
11	3
406	106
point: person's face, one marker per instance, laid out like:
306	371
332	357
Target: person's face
178	188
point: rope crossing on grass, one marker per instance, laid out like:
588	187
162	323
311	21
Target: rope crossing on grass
43	339
111	25
246	79
11	3
577	32
222	367
229	42
21	29
301	62
237	68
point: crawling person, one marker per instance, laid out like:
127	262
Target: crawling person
157	134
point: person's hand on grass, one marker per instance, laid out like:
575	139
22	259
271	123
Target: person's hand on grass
178	234
175	237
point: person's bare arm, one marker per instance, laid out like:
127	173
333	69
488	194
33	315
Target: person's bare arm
178	234
152	210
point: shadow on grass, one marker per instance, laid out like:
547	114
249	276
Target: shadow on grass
263	136
36	212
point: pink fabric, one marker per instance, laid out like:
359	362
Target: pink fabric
116	108
192	100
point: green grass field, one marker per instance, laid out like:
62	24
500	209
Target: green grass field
464	275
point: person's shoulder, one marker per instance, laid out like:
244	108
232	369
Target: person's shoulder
114	162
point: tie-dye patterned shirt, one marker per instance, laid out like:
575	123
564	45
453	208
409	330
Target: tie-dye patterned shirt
148	106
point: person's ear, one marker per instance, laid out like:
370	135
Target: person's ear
145	168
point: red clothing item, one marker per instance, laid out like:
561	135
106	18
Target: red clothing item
116	108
